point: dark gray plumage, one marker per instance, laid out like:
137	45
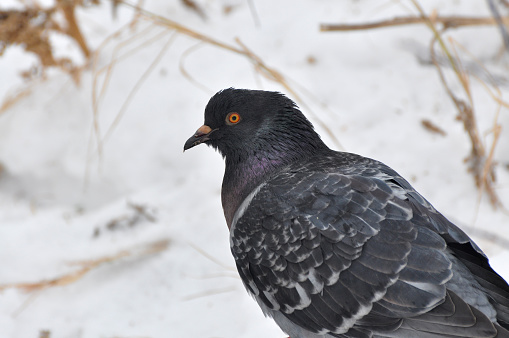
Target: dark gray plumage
332	244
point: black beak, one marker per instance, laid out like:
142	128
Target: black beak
201	135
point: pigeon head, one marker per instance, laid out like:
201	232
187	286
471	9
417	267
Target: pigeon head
242	123
257	132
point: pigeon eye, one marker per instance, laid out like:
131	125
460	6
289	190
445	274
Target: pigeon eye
233	118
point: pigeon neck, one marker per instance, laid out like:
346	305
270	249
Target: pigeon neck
242	175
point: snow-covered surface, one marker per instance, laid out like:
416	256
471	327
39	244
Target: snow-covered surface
58	196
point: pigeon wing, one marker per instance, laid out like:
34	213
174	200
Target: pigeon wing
465	253
323	247
351	253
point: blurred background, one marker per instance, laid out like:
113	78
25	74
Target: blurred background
108	230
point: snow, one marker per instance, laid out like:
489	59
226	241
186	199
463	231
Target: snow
62	202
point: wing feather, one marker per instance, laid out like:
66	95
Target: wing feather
358	253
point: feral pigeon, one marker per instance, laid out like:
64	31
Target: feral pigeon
333	244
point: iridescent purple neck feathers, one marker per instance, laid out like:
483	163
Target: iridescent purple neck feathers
242	175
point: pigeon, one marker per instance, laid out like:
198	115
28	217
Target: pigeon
334	244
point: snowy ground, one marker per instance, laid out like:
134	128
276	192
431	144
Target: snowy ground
62	203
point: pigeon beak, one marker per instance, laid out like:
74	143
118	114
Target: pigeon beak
201	135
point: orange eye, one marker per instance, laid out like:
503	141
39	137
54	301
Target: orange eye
233	118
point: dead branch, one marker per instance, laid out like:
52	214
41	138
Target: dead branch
446	22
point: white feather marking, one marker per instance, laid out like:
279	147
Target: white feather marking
348	323
407	211
272	300
396	189
253	287
333	279
427	287
317	283
304	298
243	206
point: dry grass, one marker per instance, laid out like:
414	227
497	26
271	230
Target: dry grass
11	100
131	45
480	160
86	266
30	28
480	163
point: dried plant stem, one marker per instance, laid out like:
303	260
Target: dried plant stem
115	58
276	76
30	26
496	130
99	92
446	21
137	86
73	30
211	258
89	265
480	165
259	64
160	20
97	95
496	97
11	100
186	74
488	173
207	293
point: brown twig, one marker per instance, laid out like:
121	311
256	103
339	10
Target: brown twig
445	21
